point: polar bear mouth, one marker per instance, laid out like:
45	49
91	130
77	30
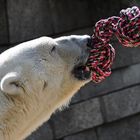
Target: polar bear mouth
82	72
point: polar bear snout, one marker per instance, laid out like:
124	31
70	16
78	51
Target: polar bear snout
76	50
74	46
82	40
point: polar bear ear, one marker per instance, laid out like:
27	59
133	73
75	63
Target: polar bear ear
11	84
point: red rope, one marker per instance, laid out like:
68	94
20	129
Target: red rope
127	30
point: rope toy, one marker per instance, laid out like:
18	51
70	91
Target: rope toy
127	30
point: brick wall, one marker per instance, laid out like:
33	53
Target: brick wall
106	111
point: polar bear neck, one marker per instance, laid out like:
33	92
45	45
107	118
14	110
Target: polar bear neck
24	116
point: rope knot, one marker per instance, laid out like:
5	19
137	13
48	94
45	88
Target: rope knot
127	30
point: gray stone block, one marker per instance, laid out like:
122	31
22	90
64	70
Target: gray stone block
69	15
125	56
102	10
42	133
85	135
119	79
126	129
121	104
136	55
131	75
77	118
3	23
28	19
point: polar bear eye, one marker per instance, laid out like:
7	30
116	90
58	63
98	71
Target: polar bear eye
53	49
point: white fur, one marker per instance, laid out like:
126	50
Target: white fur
35	80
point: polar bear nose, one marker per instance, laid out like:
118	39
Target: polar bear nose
81	40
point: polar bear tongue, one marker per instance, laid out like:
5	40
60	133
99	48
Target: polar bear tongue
82	72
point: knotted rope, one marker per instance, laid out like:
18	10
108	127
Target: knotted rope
127	30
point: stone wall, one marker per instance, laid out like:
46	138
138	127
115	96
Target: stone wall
106	111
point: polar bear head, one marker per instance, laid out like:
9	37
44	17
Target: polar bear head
39	76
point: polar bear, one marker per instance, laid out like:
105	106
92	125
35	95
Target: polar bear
38	77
